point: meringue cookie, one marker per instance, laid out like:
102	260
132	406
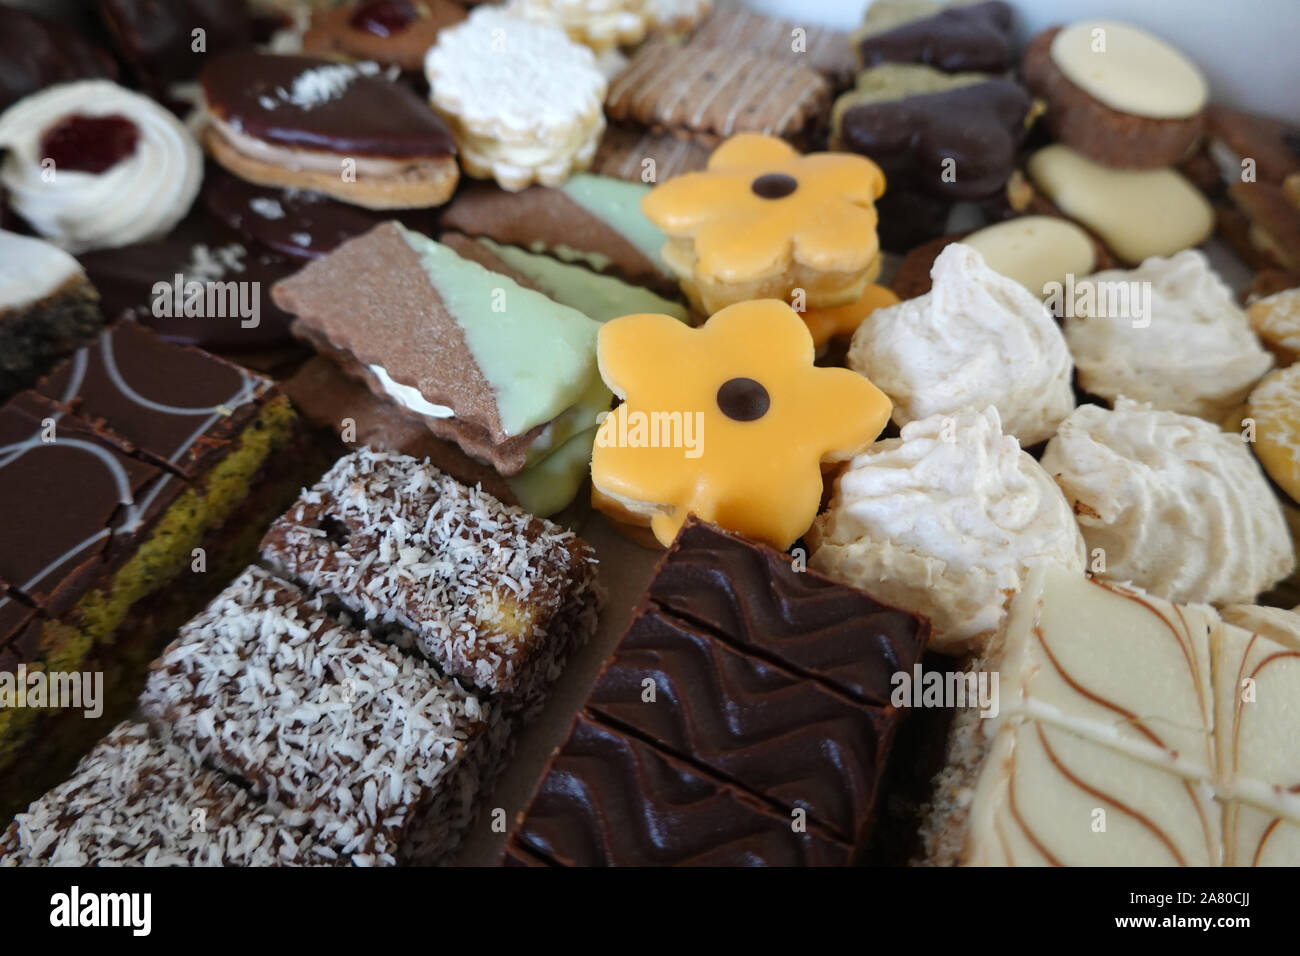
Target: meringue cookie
976	338
946	521
1192	352
139	198
1177	507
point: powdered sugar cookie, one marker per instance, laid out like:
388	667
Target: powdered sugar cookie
523	100
599	24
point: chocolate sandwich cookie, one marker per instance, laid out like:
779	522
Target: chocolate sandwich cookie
222	299
345	130
953	138
1096	104
976	36
391	32
298	224
1274	223
36	53
594	220
157	39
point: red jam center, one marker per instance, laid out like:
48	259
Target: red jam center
89	144
384	17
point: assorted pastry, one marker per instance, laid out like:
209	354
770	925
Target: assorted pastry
327	346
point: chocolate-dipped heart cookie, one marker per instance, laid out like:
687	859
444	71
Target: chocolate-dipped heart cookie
349	131
954	139
969	37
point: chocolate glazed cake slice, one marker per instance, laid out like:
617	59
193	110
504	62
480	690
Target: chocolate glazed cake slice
611	800
739	680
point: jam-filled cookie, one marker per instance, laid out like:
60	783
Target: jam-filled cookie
391	32
762	221
730	421
91	165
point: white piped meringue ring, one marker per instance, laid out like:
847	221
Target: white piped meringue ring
140	198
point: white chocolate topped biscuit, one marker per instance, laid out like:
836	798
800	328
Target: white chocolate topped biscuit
975	339
1138	213
31	269
141	196
523	100
1035	250
1129	70
946	521
1175	505
1168	332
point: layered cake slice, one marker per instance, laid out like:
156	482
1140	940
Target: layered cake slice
137	801
744	720
494	596
370	747
1132	731
500	369
47	309
134	478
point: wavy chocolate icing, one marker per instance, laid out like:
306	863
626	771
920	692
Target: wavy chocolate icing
300	225
783	736
979	127
975	37
611	800
752	597
304	102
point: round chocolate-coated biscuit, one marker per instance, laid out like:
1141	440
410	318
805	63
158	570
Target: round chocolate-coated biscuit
1108	136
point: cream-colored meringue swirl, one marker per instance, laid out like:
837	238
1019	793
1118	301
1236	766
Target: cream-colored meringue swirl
946	521
1193	353
976	338
141	197
1177	506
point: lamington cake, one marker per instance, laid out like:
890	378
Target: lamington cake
370	746
493	595
47	309
136	478
136	800
744	719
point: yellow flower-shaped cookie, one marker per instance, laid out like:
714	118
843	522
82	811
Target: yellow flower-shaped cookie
730	421
762	220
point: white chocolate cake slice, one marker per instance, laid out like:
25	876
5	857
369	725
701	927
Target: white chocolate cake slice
1062	644
1048	797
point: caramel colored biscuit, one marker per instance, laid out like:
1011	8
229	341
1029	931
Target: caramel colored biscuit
397	36
711	93
1106	135
424	183
623	153
738	28
1274	146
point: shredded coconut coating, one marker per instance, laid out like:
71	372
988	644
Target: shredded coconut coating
136	800
371	747
494	595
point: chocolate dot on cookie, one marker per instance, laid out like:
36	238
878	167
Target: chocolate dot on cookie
743	399
774	185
